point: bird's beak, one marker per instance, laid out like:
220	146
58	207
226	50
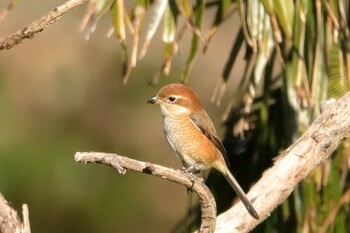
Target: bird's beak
153	100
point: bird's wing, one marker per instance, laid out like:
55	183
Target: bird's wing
203	122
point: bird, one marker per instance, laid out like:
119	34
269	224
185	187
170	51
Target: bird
192	135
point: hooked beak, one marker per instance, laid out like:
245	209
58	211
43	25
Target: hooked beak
153	100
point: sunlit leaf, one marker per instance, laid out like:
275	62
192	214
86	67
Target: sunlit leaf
138	15
300	81
185	7
243	18
284	9
338	83
266	44
159	9
169	29
118	19
119	28
318	84
198	12
268	4
95	10
169	38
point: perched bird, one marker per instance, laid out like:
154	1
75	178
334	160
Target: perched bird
191	134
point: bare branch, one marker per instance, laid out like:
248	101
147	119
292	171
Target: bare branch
39	25
122	164
295	164
9	220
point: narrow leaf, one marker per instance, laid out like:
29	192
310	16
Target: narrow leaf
118	17
169	35
242	17
284	10
95	10
159	9
199	10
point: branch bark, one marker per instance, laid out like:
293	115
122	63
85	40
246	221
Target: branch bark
9	220
122	164
315	146
39	25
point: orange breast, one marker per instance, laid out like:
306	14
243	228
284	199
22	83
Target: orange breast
189	143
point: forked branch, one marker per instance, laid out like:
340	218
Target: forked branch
295	164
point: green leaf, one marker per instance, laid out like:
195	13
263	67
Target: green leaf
185	7
245	27
169	25
117	11
169	36
338	83
159	10
284	9
266	45
118	16
96	9
198	13
299	78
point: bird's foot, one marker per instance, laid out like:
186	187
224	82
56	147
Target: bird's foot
191	172
191	169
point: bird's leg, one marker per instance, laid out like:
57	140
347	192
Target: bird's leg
191	169
188	171
192	174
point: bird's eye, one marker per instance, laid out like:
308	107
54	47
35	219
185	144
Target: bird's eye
172	99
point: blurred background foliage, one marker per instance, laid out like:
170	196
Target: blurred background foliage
268	64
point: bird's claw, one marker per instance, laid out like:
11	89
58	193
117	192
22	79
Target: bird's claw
193	177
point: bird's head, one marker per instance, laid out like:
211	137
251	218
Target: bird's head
176	99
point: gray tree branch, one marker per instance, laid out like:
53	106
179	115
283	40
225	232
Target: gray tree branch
123	164
39	25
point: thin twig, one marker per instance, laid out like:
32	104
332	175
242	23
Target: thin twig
123	164
39	25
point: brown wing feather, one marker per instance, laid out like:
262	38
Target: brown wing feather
203	122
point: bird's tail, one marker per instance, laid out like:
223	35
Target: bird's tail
240	193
